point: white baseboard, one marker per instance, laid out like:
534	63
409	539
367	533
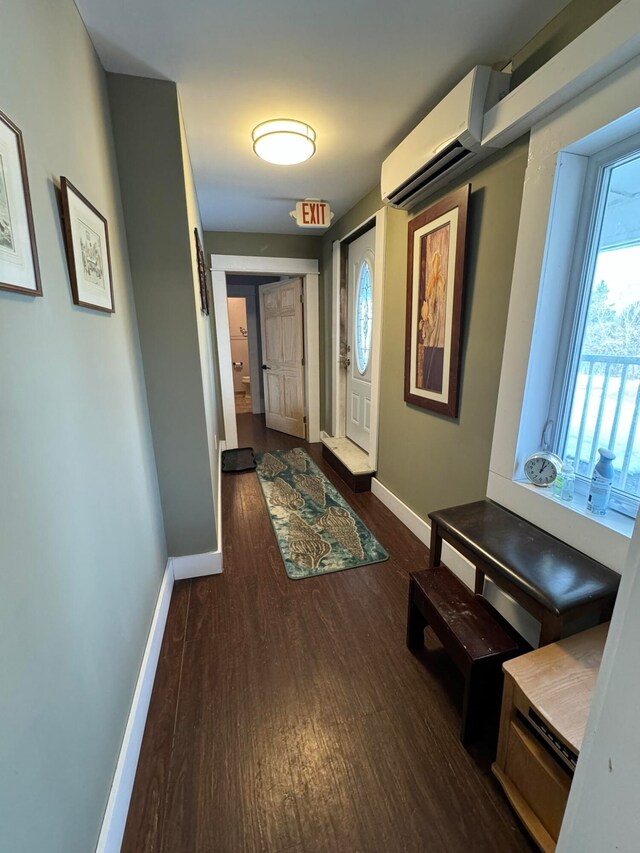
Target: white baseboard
178	568
210	563
196	565
522	621
115	816
459	565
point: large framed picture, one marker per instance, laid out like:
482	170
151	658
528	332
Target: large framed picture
435	280
202	274
19	268
87	240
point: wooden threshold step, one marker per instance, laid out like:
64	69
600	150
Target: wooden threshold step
349	461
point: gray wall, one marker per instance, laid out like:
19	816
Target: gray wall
82	547
146	122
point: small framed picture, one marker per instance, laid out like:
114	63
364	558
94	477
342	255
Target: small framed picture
19	269
435	281
202	274
87	240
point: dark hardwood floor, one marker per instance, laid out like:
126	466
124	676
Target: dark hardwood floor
289	715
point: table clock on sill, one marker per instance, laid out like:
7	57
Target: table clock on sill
542	468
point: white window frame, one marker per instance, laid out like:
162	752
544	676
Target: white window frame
585	256
559	152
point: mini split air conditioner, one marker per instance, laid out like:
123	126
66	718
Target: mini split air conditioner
446	142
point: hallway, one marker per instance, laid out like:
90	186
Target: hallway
289	716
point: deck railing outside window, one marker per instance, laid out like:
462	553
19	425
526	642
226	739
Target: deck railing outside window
605	413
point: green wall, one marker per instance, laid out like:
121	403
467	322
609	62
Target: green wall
427	460
82	547
269	245
148	140
574	19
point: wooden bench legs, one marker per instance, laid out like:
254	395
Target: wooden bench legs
473	640
416	623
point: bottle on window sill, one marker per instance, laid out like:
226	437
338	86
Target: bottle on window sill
600	487
564	485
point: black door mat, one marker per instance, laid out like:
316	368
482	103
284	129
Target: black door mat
234	461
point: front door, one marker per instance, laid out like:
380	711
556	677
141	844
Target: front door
282	356
359	328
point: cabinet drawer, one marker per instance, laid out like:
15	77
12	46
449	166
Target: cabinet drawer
542	782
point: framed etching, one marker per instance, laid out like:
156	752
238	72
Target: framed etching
202	274
435	277
87	240
19	270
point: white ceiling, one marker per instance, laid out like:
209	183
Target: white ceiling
361	72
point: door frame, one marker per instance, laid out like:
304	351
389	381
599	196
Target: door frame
307	269
339	314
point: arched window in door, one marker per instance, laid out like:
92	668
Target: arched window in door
363	318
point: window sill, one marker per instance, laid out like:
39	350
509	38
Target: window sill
604	538
613	520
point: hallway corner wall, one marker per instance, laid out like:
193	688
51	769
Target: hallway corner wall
160	210
209	367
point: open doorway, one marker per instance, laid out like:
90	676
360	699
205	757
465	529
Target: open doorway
239	333
304	404
243	311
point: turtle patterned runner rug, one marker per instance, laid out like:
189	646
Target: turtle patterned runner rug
316	529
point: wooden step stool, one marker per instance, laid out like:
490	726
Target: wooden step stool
475	641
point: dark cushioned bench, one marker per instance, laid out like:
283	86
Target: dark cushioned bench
548	578
555	583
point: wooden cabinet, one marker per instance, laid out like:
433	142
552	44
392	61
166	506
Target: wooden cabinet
545	703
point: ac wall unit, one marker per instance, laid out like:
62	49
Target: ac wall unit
446	142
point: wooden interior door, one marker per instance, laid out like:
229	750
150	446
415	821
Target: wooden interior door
282	356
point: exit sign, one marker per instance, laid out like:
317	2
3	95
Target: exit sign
312	213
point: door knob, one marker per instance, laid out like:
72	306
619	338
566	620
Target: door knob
264	367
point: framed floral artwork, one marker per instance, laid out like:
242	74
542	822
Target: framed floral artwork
435	281
19	270
87	241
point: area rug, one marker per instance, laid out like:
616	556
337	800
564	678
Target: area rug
316	529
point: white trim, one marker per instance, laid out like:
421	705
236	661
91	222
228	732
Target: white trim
462	568
379	276
337	376
197	565
223	338
600	50
312	355
598	118
258	265
115	816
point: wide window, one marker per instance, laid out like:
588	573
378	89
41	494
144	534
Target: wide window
598	404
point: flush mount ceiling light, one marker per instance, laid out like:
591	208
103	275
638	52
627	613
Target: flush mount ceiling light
284	141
